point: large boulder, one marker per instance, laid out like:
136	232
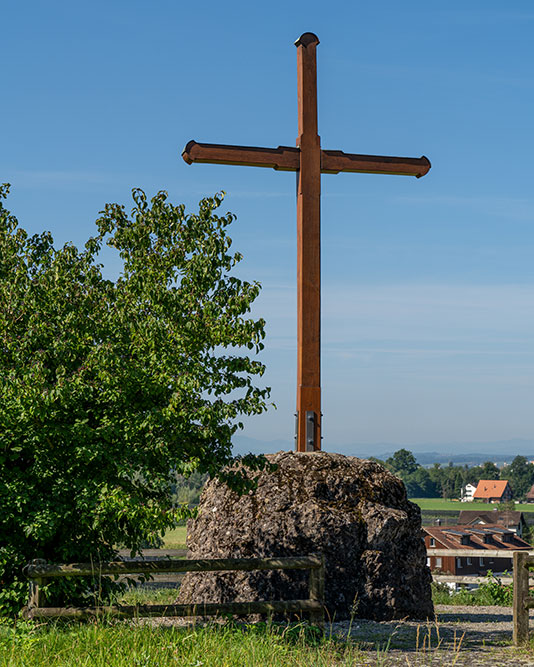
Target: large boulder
352	510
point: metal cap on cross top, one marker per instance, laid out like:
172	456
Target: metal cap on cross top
309	160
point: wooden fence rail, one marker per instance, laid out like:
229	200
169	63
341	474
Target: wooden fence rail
468	579
38	571
475	553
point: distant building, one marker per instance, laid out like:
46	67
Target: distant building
530	495
509	519
467	493
463	538
493	491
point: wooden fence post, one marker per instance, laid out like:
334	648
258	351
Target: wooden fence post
36	587
520	635
316	584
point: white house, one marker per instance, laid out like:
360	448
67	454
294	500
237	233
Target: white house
467	493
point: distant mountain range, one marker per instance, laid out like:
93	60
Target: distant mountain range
459	453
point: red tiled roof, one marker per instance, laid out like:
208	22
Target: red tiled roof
490	488
450	541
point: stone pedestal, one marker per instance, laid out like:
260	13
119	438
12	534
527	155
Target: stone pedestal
352	510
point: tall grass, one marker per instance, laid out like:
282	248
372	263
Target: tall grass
144	643
121	645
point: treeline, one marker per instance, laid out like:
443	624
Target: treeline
447	481
187	490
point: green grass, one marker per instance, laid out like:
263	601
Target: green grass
444	504
111	643
121	645
105	643
439	504
175	538
523	507
142	595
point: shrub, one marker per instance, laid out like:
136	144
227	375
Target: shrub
491	592
107	386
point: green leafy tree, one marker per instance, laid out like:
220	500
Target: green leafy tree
417	479
419	484
402	462
448	480
520	474
506	506
187	490
487	470
105	387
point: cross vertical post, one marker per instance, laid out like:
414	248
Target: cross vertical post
308	250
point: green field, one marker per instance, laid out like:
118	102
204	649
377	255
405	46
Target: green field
175	538
456	505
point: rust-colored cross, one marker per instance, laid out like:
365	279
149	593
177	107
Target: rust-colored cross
309	161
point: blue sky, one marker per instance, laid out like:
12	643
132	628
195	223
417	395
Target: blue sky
428	285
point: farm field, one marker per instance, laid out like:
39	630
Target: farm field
175	538
456	505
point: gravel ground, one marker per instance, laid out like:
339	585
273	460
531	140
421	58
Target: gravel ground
462	636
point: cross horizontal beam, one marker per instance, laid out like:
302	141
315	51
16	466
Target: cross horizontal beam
283	158
287	158
332	162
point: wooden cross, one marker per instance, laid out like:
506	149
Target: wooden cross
309	161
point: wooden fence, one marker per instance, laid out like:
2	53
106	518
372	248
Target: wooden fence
521	562
38	571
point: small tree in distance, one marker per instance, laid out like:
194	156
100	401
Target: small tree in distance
107	386
402	462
